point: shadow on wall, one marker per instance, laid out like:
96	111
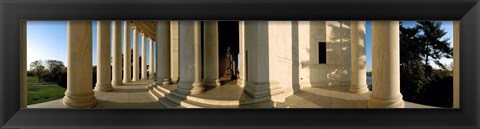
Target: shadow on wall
343	33
327	74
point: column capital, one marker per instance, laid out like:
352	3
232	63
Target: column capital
134	27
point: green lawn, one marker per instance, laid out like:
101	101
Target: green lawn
32	79
39	94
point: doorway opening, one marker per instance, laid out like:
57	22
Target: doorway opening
228	48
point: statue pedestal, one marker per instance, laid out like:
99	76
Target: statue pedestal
227	75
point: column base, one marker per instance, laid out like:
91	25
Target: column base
241	82
135	79
107	87
358	89
212	82
127	81
259	90
86	101
164	82
176	80
151	84
397	102
117	83
167	81
189	88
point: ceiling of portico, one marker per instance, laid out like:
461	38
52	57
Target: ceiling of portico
147	27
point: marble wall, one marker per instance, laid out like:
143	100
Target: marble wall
294	54
336	71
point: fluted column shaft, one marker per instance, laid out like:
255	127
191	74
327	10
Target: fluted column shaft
144	56
190	58
135	55
386	66
163	53
79	91
211	74
103	57
358	58
127	70
117	53
151	68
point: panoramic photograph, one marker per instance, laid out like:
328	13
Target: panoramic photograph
152	64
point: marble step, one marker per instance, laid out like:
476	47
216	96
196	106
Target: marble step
164	102
197	102
169	104
201	100
176	100
265	104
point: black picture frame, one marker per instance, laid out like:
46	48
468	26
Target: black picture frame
13	11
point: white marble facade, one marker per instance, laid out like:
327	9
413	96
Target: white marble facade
294	54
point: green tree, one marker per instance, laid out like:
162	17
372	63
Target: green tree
56	69
411	63
38	69
434	45
419	82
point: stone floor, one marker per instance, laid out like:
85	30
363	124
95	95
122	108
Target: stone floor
136	96
130	96
332	97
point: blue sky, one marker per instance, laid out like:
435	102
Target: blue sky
47	40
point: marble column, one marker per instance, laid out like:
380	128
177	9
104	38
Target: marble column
127	64
103	57
456	64
79	93
163	53
174	51
23	64
260	81
386	66
241	42
358	58
210	53
117	53
190	58
151	67
144	56
135	54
